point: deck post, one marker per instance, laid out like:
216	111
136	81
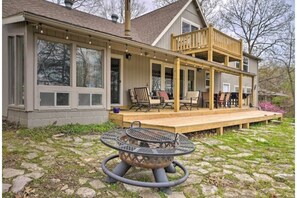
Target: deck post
220	131
176	80
226	60
240	91
210	43
211	88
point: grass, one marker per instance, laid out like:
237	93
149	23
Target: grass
42	133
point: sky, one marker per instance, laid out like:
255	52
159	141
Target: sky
149	5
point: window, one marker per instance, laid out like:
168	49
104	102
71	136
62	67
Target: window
248	90
237	64
53	63
89	99
226	87
156	77
188	26
16	69
236	88
191	80
89	68
207	79
51	99
245	64
169	81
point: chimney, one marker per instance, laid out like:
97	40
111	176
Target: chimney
128	18
114	18
68	4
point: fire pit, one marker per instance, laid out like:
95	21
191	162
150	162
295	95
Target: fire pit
146	148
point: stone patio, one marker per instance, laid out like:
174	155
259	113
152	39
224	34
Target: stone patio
242	163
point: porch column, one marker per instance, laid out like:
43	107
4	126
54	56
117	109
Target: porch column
211	88
226	60
210	43
240	91
252	93
176	83
108	64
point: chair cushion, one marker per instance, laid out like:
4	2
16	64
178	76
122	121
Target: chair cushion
163	94
155	101
192	94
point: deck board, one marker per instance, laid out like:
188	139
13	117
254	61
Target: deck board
191	121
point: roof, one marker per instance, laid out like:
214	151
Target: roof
150	25
252	56
145	28
60	13
265	92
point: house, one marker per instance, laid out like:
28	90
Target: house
65	66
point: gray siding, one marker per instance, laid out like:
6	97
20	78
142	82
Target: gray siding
189	14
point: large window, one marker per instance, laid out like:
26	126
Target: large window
16	69
89	68
169	81
188	26
66	79
53	64
226	87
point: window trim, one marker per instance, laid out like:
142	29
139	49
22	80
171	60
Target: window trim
206	72
187	78
118	56
228	85
15	105
248	63
71	89
236	86
189	22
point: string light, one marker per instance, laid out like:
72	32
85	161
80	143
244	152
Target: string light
141	52
166	57
41	30
126	48
109	45
67	36
90	41
154	54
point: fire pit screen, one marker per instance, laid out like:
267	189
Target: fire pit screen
146	148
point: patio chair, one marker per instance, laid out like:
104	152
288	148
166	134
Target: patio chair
221	99
205	99
165	99
191	99
144	99
227	101
133	99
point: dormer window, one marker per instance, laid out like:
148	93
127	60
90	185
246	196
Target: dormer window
188	26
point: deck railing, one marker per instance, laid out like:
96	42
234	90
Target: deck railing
206	39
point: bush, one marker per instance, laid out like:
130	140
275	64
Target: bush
267	106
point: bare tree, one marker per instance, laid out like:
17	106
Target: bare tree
105	8
209	8
258	22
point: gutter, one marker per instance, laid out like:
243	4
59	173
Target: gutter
64	25
13	19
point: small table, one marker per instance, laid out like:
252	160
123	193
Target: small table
146	148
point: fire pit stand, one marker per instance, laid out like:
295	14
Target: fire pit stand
146	148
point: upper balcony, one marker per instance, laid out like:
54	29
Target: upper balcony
209	44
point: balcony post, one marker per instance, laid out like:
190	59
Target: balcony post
226	61
172	43
241	54
210	43
176	74
211	88
240	90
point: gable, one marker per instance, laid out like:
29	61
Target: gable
190	14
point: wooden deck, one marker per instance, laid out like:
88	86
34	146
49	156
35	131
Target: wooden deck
192	121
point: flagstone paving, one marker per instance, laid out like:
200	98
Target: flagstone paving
256	162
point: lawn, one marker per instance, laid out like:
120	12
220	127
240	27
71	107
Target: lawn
65	161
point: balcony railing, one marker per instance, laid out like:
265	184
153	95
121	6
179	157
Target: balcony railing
206	39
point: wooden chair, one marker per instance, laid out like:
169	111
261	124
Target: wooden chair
221	99
144	99
227	101
191	99
205	99
165	99
133	99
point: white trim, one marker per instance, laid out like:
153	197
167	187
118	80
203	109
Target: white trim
171	23
206	72
189	22
187	77
117	56
13	19
162	73
228	86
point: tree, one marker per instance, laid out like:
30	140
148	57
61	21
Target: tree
105	8
257	22
209	8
